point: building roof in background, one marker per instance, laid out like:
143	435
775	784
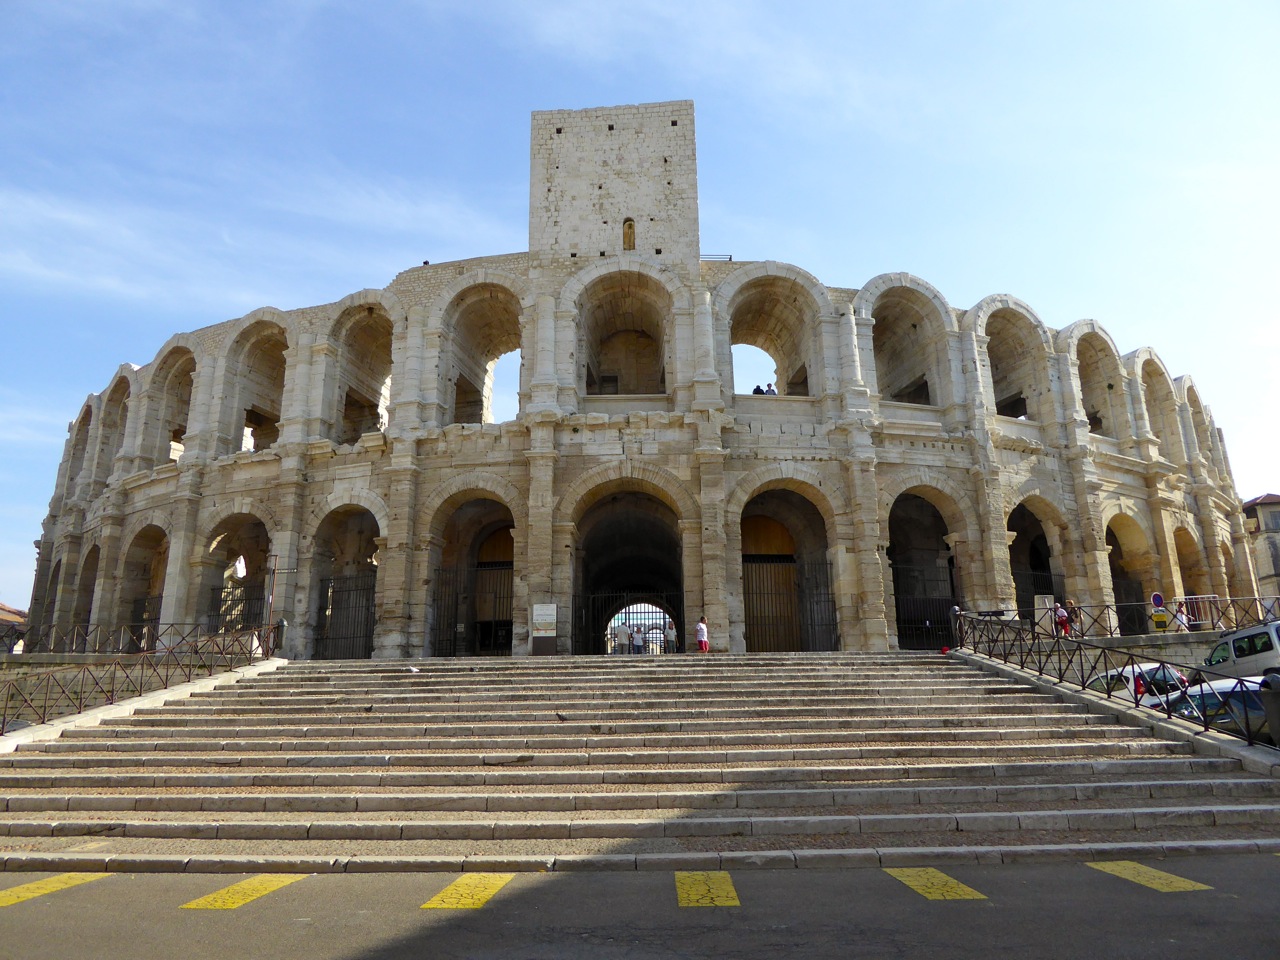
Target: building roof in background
9	615
1266	498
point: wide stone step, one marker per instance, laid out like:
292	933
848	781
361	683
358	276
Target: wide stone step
552	828
1152	792
547	737
93	778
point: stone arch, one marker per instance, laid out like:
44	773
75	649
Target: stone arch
81	429
113	420
362	337
1201	423
775	308
254	382
1018	348
947	497
571	292
1038	556
911	365
659	482
235	566
236	506
433	314
475	484
365	499
1098	378
786	475
1150	378
170	389
470	327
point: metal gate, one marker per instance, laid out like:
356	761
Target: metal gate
924	598
237	606
594	615
347	617
788	605
472	610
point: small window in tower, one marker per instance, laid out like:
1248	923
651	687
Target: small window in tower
611	127
657	251
559	129
628	234
675	123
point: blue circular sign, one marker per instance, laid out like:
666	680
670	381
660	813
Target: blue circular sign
1157	600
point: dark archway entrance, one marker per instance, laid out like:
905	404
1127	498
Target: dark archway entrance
473	587
924	588
786	580
1030	563
629	559
347	580
236	574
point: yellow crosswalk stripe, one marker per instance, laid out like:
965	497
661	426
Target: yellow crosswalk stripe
246	891
933	884
712	888
469	892
1147	876
38	888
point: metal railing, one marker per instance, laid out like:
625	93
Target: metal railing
1136	619
42	695
1079	663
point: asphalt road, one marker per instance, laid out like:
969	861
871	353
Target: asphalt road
1047	910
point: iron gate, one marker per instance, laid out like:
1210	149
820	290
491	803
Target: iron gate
237	606
144	624
788	605
924	598
1029	584
347	617
594	614
472	610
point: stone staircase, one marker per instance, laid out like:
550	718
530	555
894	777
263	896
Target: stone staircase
677	762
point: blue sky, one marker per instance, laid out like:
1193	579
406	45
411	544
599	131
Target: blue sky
168	165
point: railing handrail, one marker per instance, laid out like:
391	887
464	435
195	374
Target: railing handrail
69	689
1076	661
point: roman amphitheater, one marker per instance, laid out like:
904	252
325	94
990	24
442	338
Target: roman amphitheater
337	466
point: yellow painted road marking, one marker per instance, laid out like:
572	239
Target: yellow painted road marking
38	888
469	892
1147	876
933	884
246	891
706	889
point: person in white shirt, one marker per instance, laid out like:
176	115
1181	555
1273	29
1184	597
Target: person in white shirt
704	642
669	638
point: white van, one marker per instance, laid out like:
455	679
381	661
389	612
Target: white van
1247	652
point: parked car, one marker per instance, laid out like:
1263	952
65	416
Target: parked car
1247	652
1232	706
1145	684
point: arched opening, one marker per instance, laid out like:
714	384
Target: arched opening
1132	571
1101	385
1203	432
79	448
752	369
786	579
111	429
235	580
1019	373
484	322
1192	565
1031	563
923	574
1162	413
473	587
345	572
171	390
629	553
142	588
364	375
623	319
82	612
910	348
774	315
256	373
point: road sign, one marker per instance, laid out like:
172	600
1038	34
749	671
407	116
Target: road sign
1157	600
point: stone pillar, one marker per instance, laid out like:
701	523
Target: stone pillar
1165	548
182	602
999	591
564	543
541	555
395	563
868	569
427	559
698	588
706	382
707	539
545	382
292	594
567	360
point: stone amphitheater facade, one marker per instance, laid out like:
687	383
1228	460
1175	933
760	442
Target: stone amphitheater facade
335	466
